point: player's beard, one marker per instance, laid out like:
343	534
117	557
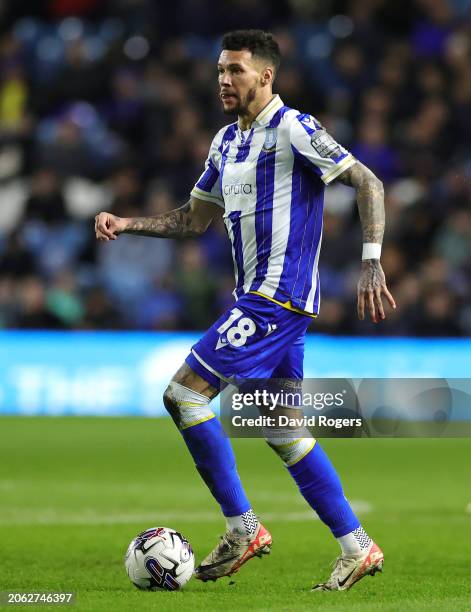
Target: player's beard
242	107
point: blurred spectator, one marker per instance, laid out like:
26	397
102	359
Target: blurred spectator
33	310
373	150
99	312
16	261
438	314
196	288
46	202
453	239
63	299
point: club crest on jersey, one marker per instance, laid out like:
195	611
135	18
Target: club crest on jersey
270	139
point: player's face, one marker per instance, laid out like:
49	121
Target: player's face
240	81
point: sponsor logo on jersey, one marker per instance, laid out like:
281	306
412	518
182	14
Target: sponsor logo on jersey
312	122
238	189
226	144
308	120
220	343
325	145
270	139
271	328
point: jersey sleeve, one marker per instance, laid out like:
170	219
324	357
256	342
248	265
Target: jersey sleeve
317	149
208	186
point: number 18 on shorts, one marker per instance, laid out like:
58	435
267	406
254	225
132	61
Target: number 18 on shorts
256	338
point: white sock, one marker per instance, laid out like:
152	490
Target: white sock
243	524
354	543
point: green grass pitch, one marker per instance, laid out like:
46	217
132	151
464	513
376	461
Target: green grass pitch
74	491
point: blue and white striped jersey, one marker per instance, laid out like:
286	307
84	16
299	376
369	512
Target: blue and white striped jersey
270	181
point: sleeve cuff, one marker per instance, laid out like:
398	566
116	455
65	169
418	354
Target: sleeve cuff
334	172
207	197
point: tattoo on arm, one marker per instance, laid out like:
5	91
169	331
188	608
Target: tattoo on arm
370	200
178	223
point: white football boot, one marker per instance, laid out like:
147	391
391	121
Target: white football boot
232	552
349	570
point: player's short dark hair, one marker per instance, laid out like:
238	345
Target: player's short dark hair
259	43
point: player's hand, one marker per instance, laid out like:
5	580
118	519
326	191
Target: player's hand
108	226
371	288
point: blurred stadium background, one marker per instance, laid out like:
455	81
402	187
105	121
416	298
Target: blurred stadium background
111	105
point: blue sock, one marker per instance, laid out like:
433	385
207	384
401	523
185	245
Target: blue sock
321	488
215	461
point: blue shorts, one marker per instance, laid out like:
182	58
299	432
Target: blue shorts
256	338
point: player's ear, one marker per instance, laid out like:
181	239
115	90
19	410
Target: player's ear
267	76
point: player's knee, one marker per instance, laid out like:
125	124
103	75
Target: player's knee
290	444
170	401
185	406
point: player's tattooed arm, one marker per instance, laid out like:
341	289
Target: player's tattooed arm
177	223
370	201
191	219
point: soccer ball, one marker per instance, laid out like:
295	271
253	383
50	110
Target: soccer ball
159	559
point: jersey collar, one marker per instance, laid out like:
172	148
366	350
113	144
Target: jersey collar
266	114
